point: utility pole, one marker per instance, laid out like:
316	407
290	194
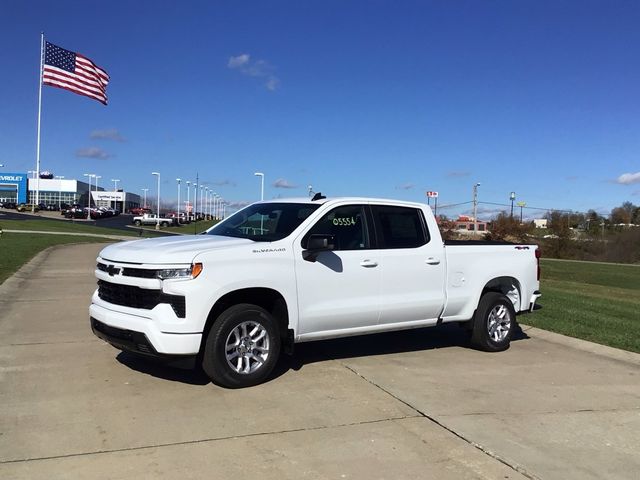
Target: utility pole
521	205
145	190
475	207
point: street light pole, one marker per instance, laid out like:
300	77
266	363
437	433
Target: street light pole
178	180
89	175
261	175
115	190
512	197
202	200
145	190
206	203
475	207
60	178
157	174
188	197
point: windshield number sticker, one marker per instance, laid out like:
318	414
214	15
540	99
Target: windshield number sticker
344	221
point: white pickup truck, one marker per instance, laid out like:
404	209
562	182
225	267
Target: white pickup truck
286	271
152	219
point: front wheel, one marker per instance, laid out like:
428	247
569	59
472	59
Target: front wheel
242	347
493	323
137	223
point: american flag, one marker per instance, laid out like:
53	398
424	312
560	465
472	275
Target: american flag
74	72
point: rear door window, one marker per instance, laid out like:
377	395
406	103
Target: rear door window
399	227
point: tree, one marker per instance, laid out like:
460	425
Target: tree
593	221
623	214
558	224
505	227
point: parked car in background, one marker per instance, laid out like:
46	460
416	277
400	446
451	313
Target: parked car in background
180	218
28	207
10	205
139	210
75	211
152	219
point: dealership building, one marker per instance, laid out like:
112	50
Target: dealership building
19	188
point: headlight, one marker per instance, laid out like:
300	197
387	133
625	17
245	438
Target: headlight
180	273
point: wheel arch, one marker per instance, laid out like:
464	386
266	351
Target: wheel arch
269	299
506	285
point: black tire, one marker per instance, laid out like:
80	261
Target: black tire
164	224
137	223
492	302
214	361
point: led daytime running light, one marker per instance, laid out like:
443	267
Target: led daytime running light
180	273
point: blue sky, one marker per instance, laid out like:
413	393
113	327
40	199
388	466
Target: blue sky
375	98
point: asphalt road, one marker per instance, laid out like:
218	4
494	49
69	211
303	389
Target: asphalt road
120	222
415	404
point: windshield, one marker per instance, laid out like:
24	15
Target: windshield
264	222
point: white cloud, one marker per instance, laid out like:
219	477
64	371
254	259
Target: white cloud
628	178
93	152
272	83
235	62
282	183
255	68
107	134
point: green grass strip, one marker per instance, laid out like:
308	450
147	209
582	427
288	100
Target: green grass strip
591	301
16	249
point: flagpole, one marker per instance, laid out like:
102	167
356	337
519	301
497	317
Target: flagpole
37	202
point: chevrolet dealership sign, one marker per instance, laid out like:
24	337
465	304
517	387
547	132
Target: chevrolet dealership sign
14	182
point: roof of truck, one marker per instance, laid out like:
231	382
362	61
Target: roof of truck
342	199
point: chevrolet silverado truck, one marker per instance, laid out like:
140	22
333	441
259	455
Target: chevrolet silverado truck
286	271
152	219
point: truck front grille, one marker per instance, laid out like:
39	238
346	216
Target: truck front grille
135	297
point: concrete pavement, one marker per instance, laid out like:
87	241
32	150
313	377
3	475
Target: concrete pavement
415	404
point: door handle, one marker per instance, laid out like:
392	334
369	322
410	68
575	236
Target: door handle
432	261
368	263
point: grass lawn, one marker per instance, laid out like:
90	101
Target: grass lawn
16	249
592	301
61	226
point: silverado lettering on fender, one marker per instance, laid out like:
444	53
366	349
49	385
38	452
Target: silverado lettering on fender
286	271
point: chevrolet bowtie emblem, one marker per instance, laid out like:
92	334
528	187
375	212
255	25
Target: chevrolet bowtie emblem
111	270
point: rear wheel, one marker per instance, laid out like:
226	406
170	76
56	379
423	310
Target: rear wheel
165	224
242	347
493	323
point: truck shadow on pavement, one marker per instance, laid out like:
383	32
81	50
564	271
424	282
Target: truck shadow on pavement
419	339
404	341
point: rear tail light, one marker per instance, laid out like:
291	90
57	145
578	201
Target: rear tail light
538	255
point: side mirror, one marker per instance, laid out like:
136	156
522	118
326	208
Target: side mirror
318	243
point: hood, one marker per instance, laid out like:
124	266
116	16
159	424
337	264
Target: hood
168	250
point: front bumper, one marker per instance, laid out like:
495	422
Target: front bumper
140	334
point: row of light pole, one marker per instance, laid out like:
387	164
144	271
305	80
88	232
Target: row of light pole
212	205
